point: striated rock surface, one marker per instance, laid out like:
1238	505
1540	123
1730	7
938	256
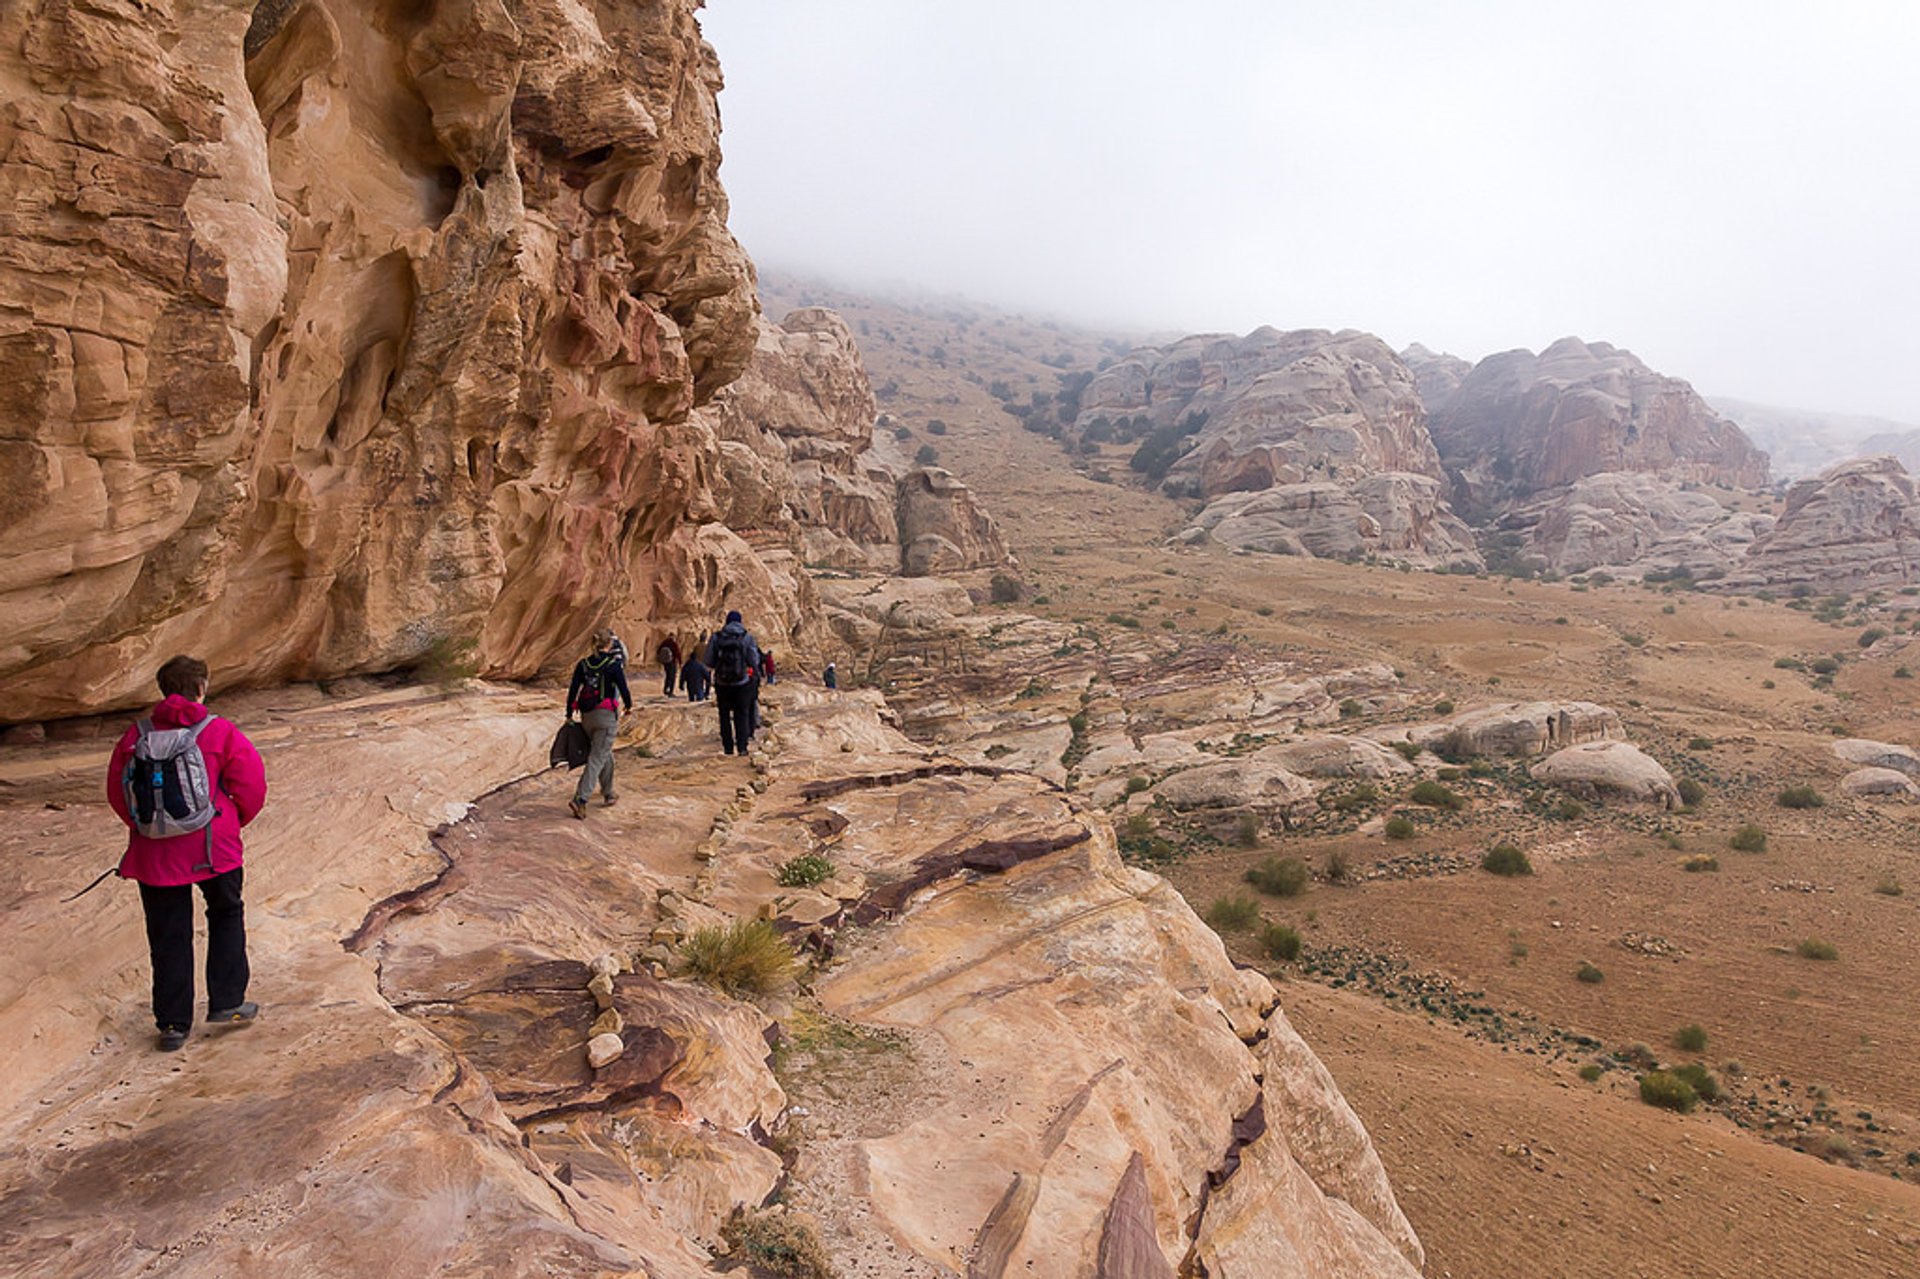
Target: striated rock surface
1521	423
1855	526
1880	783
1520	729
942	528
1634	522
1309	415
348	331
1609	770
1871	754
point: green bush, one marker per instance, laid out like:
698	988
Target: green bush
1699	862
1700	744
1871	636
1127	620
1814	948
1668	1091
1005	588
1138	783
1280	876
1788	664
1399	828
1443	707
1569	809
1246	831
1824	665
1281	942
1748	839
1690	1038
1354	797
746	957
1698	1078
1800	797
1434	795
1590	975
1337	871
1691	792
1350	708
1591	1072
1634	640
805	871
1233	914
1408	751
1902	672
1505	859
783	1244
927	455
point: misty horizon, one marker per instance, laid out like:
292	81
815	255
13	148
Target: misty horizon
1711	189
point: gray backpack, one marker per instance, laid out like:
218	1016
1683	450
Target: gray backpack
168	789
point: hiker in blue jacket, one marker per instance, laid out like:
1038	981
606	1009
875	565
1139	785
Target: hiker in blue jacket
733	657
598	692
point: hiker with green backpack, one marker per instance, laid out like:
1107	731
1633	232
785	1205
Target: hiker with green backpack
598	692
185	781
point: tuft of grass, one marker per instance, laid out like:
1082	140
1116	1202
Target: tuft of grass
1408	751
1591	1072
1691	792
1138	783
1788	664
805	871
1799	797
1356	797
1814	948
1350	708
1700	744
1338	872
1281	942
1590	975
1690	1038
777	1242
1280	876
1246	831
1443	707
1235	914
1634	639
746	957
1668	1091
1505	859
1399	828
1700	862
1748	839
1435	795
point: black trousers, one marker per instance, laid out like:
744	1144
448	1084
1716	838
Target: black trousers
671	670
736	702
170	942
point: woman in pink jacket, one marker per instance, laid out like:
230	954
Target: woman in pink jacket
168	866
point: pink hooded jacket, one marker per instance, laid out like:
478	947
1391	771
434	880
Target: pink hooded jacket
235	770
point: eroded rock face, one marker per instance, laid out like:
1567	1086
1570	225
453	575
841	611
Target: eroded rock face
942	529
1630	521
1521	423
1328	426
1855	526
1520	729
347	330
1610	770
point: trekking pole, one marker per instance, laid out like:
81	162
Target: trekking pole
111	870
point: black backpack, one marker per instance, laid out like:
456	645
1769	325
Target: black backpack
598	678
730	657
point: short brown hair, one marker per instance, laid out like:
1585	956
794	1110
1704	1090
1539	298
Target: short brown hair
603	638
182	676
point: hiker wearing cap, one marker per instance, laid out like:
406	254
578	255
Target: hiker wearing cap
598	692
734	658
185	781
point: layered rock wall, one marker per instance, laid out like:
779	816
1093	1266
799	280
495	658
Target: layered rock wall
1855	526
334	333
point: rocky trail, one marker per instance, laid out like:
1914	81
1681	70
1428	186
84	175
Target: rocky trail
1013	1054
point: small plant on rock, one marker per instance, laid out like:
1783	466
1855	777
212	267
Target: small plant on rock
1700	744
1443	707
1505	859
1280	876
746	957
805	871
1234	914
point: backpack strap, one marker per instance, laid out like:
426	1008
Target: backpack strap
193	734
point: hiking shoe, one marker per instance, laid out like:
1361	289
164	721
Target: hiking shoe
577	808
172	1039
606	801
241	1015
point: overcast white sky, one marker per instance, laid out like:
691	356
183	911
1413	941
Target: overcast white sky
1731	190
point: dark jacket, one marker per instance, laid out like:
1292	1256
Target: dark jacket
616	679
695	675
753	652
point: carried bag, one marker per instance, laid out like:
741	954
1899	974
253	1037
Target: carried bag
730	658
571	745
168	787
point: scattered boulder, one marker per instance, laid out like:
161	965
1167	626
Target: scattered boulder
1880	783
1881	755
1251	784
1601	770
1520	729
1336	757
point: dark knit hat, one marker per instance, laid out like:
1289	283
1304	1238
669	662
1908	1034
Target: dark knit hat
734	616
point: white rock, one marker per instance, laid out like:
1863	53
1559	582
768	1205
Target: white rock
603	1049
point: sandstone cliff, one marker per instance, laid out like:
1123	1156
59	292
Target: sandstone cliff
1309	417
345	332
1633	522
1520	423
1855	526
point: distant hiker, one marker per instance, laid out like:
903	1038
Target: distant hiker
766	666
668	655
832	677
696	678
598	692
734	657
185	781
